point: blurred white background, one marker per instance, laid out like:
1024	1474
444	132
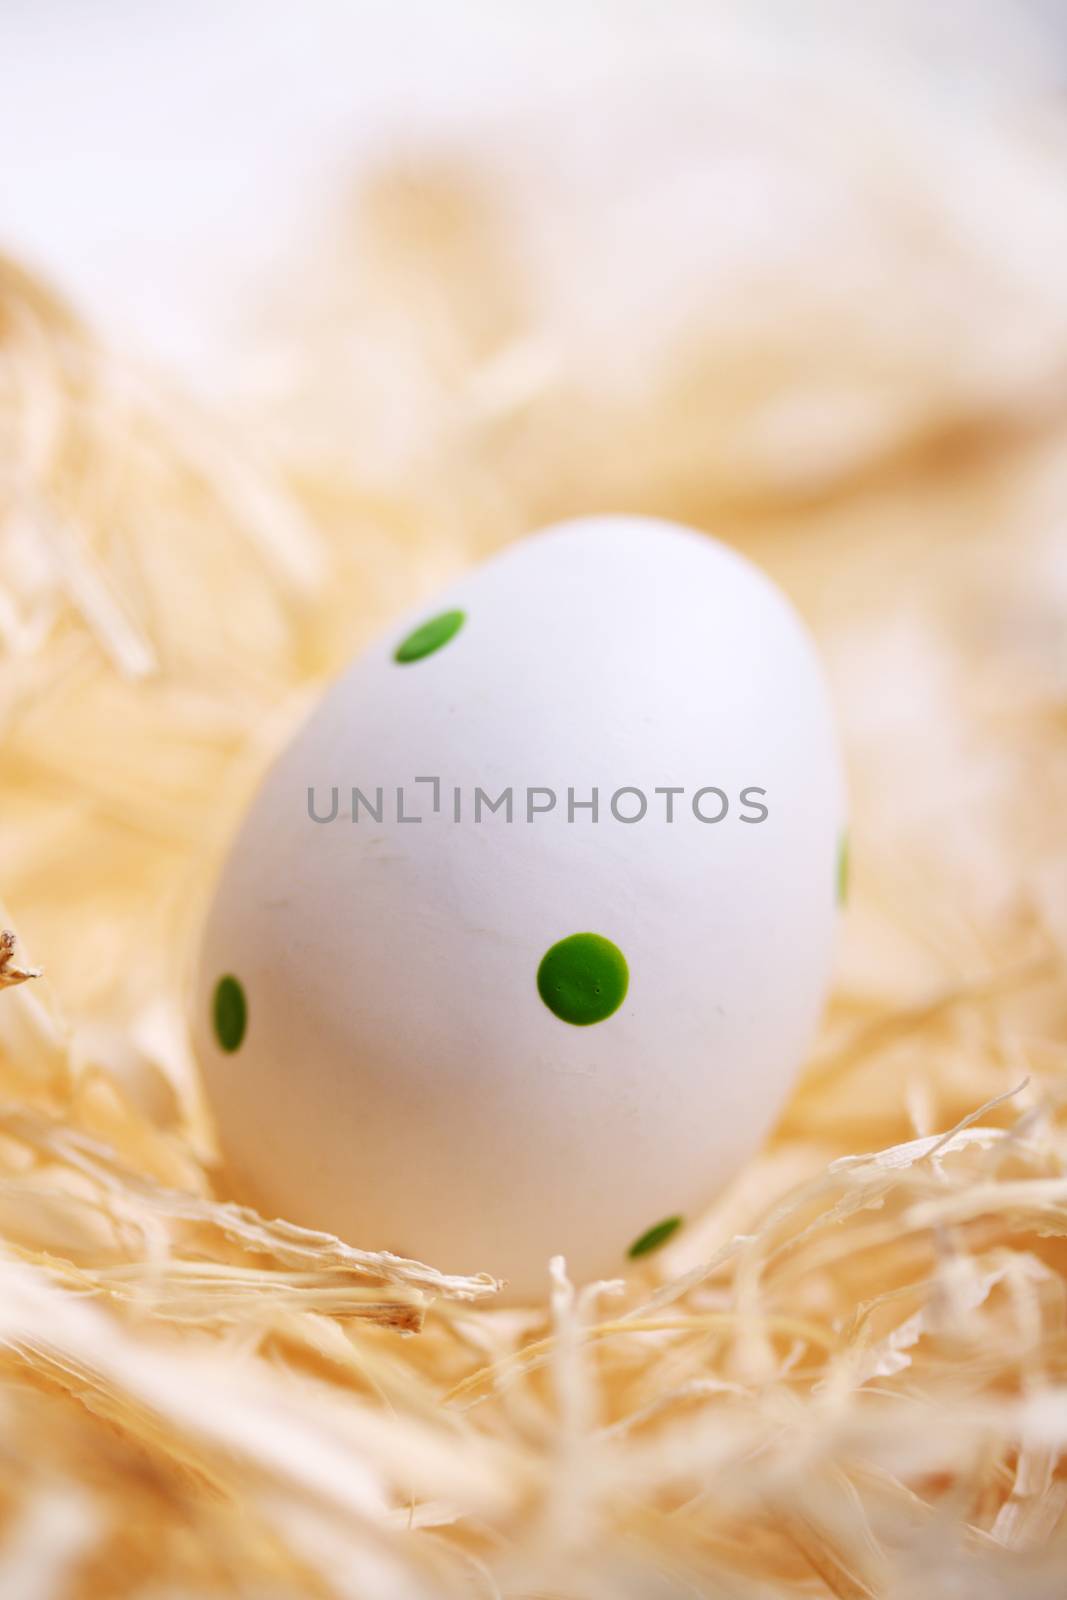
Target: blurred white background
155	161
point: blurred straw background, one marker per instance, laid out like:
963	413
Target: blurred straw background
796	279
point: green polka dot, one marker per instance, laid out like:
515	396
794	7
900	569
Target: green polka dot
654	1238
583	979
430	636
842	870
230	1013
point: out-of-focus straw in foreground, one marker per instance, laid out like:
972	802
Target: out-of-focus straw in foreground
798	283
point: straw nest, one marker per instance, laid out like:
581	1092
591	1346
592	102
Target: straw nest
850	1378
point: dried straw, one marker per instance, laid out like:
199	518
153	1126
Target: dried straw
851	1378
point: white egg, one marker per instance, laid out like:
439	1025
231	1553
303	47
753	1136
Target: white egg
481	1039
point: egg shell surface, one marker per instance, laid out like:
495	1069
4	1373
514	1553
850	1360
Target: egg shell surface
388	1048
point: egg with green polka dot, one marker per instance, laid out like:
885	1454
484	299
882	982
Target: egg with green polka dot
527	931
